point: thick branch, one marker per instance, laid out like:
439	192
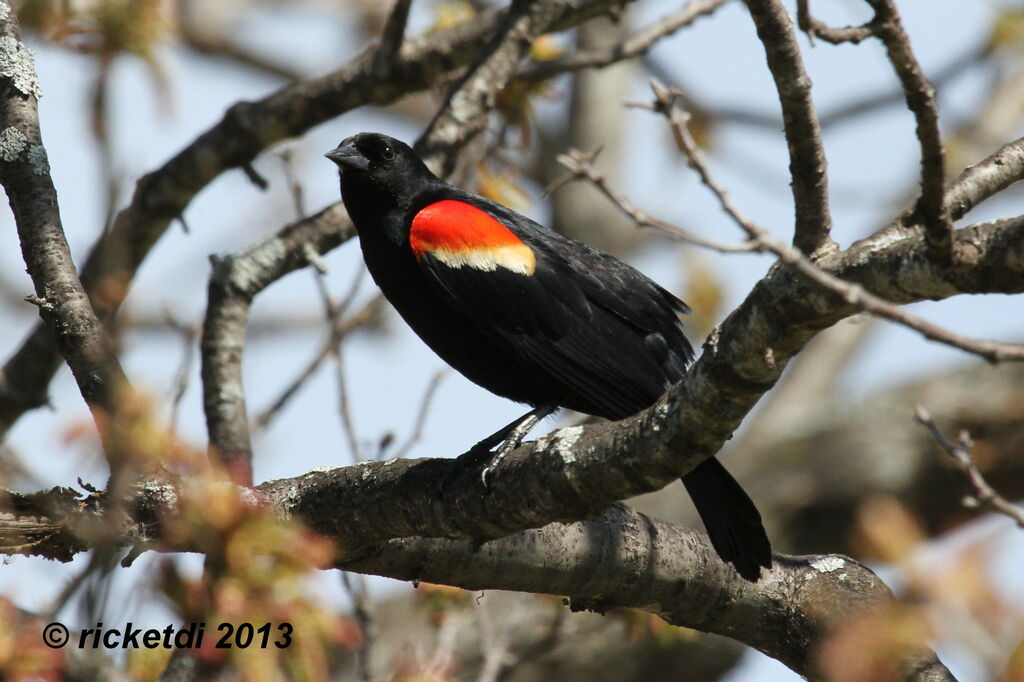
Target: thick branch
472	97
920	95
988	178
24	171
620	558
235	281
807	163
623	558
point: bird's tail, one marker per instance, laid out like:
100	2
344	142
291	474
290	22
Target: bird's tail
730	517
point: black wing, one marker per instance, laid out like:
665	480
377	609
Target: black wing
606	338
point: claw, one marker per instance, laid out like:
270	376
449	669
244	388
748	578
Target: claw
508	438
476	455
508	446
486	474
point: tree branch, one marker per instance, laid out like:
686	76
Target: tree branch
807	163
234	283
920	95
391	37
983	180
580	165
472	97
984	494
633	46
25	174
817	29
669	570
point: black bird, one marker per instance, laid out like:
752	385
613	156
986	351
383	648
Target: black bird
530	314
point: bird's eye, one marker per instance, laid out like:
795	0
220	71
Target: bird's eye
387	153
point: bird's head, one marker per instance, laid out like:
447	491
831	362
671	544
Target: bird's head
389	164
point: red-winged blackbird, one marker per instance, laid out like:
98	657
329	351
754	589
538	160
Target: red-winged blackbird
530	314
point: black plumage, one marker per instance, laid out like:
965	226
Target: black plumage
528	313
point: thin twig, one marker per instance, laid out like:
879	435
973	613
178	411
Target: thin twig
362	607
678	120
364	317
984	495
183	374
852	293
634	45
817	29
294	186
580	166
421	416
334	312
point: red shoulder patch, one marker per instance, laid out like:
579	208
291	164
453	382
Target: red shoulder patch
460	234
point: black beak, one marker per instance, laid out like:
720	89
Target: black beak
347	156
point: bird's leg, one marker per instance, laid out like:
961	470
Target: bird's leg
509	436
514	437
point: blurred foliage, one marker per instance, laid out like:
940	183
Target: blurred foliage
887	530
440	601
257	569
104	27
23	656
1008	31
957	599
702	291
641	625
501	186
452	13
1014	671
515	101
871	648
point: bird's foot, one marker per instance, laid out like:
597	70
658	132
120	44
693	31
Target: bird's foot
477	455
509	438
487	473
